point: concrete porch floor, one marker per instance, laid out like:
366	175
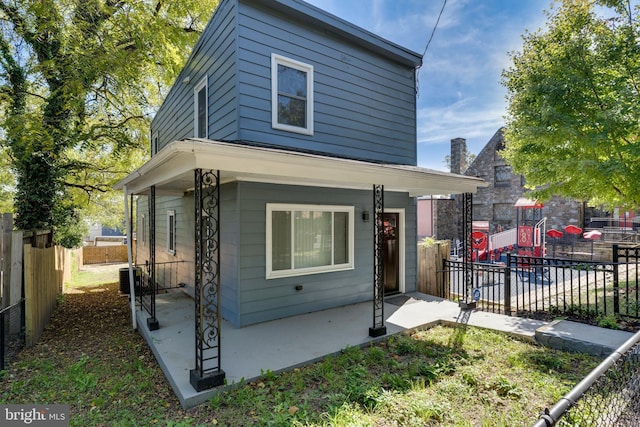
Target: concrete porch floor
283	344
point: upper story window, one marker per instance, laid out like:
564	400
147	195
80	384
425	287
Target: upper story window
154	143
502	175
291	95
200	109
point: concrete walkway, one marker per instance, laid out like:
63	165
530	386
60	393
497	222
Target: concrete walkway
283	344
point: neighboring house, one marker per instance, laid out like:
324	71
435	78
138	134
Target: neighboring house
283	170
438	217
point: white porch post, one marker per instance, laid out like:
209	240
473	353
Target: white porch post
132	293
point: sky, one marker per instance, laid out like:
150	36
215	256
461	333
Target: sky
459	89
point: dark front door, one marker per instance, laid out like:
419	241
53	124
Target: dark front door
391	253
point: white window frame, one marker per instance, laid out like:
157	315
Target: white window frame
142	231
202	84
271	207
171	231
308	69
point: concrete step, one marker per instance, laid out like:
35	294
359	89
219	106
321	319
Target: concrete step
581	338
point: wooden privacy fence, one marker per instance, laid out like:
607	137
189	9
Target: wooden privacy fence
429	266
104	254
45	272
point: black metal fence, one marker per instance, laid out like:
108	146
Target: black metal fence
525	284
608	396
12	332
168	275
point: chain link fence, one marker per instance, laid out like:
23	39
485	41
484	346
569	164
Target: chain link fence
12	337
608	396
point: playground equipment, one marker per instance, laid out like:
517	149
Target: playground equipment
480	244
531	227
554	235
592	235
479	241
528	238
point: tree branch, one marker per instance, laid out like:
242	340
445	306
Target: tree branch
88	188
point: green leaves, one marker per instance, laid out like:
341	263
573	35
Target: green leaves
79	83
573	117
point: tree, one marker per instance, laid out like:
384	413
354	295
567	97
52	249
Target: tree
573	119
469	157
7	183
79	80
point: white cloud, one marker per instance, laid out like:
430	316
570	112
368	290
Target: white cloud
460	94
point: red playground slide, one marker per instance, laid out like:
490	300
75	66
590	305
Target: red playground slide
479	243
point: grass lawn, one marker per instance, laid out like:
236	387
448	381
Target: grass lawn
91	275
91	359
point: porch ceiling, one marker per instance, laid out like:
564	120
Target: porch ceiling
171	170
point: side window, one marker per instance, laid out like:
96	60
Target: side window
154	143
291	95
142	234
200	109
171	232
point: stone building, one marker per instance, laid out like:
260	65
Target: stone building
495	203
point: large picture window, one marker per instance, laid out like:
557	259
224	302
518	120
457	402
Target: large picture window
291	95
308	239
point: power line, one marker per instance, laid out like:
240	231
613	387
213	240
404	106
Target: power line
444	3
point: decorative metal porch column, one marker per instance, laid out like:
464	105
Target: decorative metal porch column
152	322
207	373
378	328
467	302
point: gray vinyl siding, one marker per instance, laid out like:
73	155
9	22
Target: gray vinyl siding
229	252
247	297
364	104
184	217
262	299
364	107
213	56
184	208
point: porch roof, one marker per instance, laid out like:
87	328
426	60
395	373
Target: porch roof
171	170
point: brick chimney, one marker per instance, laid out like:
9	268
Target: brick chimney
458	157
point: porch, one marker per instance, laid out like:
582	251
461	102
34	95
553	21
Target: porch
259	181
283	344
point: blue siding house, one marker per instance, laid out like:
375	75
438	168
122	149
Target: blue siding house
283	176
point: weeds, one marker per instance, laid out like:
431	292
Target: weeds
609	321
439	376
412	381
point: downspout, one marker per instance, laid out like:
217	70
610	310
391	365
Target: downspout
132	288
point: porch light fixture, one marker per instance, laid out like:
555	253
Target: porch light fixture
365	216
